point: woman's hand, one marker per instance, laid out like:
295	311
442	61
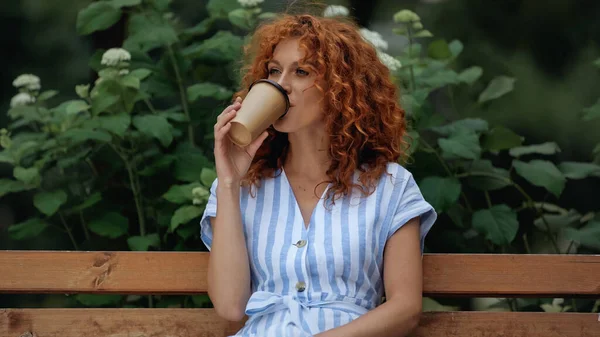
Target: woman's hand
232	161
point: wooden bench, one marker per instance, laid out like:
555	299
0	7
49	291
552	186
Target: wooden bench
185	273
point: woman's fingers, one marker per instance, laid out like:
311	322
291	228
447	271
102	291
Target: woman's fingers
255	145
226	116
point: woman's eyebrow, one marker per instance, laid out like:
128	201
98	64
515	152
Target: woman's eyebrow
294	64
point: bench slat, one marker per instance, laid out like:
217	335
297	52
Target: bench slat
185	273
204	322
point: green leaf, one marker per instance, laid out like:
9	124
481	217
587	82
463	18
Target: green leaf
30	176
162	5
82	135
143	243
267	16
27	230
413	139
423	33
439	50
82	90
574	170
97	16
467	125
174	116
223	47
220	8
440	192
588	236
130	81
499	224
155	126
181	194
5	157
461	145
208	176
596	150
75	107
542	173
46	95
102	102
74	158
456	48
190	162
117	124
125	3
497	88
592	112
440	78
241	17
406	16
162	163
185	232
430	304
200	29
93	300
201	301
49	202
470	75
400	30
208	90
486	177
111	225
458	215
547	148
500	138
141	73
185	214
11	186
147	32
93	199
597	63
556	222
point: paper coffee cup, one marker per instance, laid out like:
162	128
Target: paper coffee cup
266	102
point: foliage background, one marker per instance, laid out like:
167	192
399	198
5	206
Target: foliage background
116	171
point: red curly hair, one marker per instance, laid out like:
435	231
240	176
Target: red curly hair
363	118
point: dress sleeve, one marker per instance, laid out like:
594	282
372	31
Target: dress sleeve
206	231
412	204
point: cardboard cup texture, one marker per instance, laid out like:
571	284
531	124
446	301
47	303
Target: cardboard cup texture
266	102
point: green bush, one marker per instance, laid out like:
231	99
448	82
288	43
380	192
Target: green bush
127	163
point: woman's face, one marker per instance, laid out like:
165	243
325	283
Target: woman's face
306	101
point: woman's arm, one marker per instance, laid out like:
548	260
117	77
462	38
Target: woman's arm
228	267
403	281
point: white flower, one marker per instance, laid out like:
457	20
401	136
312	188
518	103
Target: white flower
123	72
335	10
250	3
29	81
200	192
389	61
374	38
20	99
114	56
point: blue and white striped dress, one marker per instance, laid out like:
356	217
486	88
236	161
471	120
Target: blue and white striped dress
308	280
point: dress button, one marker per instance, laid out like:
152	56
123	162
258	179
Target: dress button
300	286
300	243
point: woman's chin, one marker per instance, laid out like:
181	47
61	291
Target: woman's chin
284	125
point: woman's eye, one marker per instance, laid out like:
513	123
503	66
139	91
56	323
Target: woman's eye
302	72
273	71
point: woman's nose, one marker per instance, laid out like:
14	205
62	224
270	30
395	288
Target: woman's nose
284	83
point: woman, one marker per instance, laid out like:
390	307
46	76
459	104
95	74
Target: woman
314	221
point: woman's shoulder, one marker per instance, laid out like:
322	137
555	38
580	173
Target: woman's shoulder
396	173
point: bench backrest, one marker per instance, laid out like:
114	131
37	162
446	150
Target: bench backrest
445	275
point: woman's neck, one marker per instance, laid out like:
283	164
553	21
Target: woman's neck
308	154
